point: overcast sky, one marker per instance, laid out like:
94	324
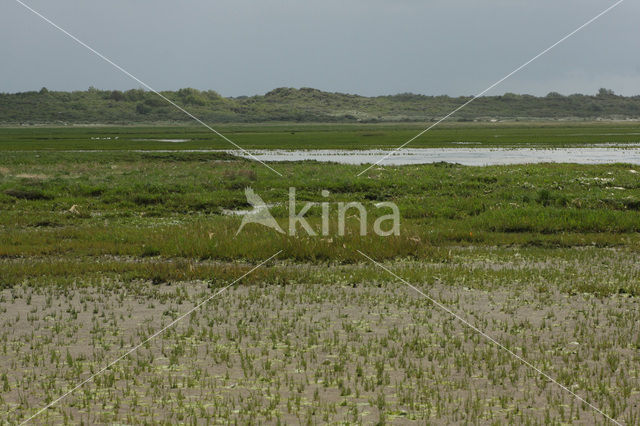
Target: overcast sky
369	47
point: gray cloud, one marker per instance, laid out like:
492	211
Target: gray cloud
370	47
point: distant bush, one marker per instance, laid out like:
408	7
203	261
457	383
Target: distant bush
302	105
143	109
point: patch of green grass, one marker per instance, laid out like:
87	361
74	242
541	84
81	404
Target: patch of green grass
316	136
170	205
73	203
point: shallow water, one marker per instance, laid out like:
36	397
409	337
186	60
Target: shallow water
464	156
604	153
163	140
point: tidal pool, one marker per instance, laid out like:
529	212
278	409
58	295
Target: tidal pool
464	156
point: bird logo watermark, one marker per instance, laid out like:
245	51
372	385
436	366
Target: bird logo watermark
260	213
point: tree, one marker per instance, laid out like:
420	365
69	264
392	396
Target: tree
142	108
605	93
191	96
117	96
134	95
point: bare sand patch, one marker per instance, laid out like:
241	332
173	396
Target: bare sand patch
35	176
315	353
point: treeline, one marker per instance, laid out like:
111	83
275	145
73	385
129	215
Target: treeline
303	105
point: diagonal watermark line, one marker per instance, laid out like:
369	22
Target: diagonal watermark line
545	51
148	339
492	340
151	89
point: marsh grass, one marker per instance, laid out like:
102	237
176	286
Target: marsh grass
170	206
316	136
386	355
99	250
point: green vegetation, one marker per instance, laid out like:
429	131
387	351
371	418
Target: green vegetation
172	205
315	136
99	249
298	105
